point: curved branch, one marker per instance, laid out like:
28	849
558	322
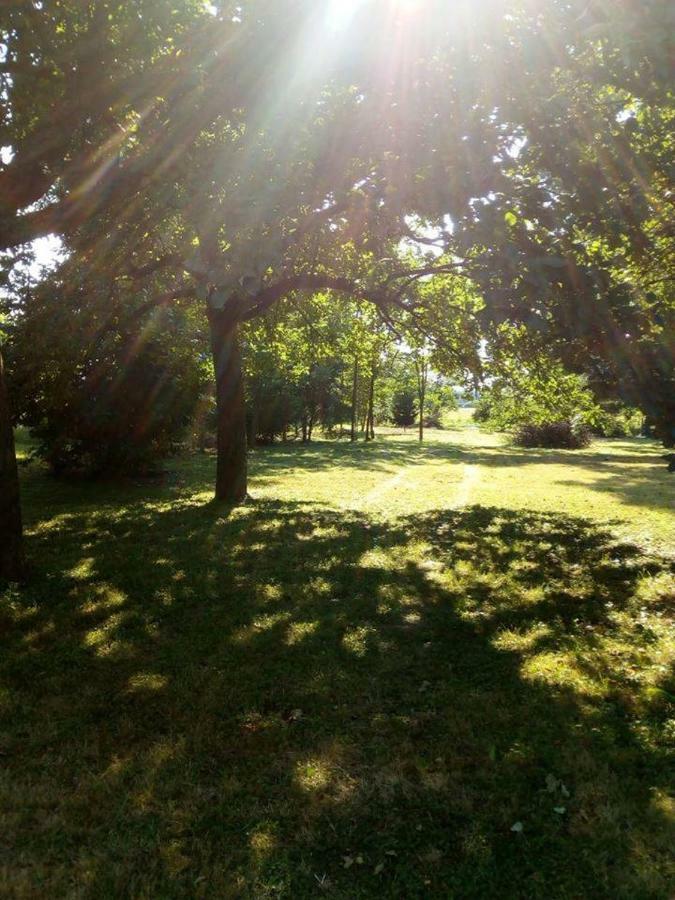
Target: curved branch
268	296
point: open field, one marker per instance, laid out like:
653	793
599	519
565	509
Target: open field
399	671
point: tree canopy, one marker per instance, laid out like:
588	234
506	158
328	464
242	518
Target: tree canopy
457	166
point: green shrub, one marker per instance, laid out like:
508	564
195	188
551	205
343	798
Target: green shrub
556	435
103	400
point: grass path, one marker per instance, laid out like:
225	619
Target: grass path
467	486
622	484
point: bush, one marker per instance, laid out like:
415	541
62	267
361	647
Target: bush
121	419
614	420
103	401
556	435
482	411
433	414
404	409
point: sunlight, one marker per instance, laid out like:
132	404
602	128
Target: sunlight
340	13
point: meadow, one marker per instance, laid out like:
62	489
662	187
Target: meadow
397	671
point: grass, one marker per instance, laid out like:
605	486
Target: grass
398	672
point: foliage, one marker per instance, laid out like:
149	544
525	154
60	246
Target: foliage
614	419
99	398
207	142
529	387
404	410
440	400
562	435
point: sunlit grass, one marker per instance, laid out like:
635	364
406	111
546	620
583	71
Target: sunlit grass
409	695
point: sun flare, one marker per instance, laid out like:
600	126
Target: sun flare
340	13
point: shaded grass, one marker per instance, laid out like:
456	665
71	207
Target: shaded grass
295	699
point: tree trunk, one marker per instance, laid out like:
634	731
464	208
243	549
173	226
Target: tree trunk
355	384
370	422
231	466
421	428
12	564
284	430
422	373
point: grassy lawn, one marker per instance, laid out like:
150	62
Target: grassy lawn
405	672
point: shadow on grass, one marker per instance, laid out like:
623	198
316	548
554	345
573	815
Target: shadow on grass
285	701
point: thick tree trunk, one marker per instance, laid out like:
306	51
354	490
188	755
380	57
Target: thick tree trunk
11	540
231	467
355	384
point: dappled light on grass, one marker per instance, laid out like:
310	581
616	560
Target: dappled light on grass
320	686
206	701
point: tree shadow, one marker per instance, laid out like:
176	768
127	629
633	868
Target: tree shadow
281	700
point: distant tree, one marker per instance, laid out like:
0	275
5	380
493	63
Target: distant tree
440	399
404	411
420	360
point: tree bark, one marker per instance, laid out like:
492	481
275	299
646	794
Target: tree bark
12	563
421	426
355	384
370	421
422	373
231	465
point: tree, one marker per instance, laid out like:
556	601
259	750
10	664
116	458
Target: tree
404	411
421	364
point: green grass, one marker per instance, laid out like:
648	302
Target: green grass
357	685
